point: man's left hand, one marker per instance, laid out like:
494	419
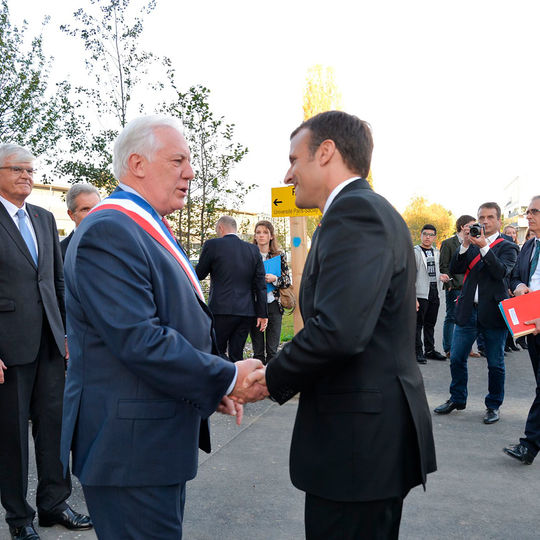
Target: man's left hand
262	323
230	407
536	323
445	278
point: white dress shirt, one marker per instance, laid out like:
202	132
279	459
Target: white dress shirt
12	211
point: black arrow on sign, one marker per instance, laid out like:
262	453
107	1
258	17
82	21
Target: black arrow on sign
276	202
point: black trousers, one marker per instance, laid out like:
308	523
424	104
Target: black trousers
532	426
136	513
335	520
33	391
265	344
426	317
231	334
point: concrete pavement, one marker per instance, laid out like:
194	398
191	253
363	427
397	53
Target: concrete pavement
243	488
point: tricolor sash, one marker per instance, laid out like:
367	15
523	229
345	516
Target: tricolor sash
476	260
146	217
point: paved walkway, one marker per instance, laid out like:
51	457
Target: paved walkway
243	488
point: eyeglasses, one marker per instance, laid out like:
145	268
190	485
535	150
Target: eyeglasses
19	170
429	234
532	212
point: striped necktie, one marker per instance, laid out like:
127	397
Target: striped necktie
534	260
27	235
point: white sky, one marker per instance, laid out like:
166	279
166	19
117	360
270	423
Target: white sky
452	90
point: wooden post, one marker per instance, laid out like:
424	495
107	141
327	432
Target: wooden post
298	228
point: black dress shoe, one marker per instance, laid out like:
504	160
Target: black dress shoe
513	347
491	416
25	532
448	407
507	348
435	355
421	359
68	518
522	342
520	452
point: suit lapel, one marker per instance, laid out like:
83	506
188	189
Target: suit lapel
14	233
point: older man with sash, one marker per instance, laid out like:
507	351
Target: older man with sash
143	375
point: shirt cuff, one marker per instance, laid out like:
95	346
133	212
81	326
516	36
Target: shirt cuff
231	386
484	250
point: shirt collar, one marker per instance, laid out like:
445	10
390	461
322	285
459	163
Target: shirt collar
492	238
11	208
336	191
129	189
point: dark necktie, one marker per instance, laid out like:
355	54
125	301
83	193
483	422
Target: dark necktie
27	235
534	260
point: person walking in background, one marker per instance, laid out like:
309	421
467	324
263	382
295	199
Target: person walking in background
237	287
428	286
525	278
453	286
80	199
265	344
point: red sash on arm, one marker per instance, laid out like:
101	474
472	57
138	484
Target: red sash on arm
475	261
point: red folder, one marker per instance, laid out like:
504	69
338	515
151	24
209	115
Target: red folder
519	309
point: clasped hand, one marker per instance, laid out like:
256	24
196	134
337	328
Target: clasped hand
251	382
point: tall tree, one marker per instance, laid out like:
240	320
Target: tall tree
213	155
420	211
30	111
116	66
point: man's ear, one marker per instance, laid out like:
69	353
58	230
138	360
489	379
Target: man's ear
136	165
326	151
70	214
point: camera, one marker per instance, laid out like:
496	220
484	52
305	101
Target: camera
476	230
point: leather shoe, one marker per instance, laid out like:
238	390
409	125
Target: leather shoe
421	359
25	532
513	347
522	342
435	355
448	407
521	452
507	348
491	416
68	518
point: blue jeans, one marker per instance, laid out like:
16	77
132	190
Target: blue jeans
450	318
462	341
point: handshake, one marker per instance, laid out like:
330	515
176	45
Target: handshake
250	387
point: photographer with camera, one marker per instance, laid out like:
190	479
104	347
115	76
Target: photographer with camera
486	259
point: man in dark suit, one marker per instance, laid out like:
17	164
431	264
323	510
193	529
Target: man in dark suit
362	437
237	287
142	377
32	350
80	199
524	279
486	259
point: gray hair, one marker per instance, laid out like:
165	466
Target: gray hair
227	222
138	137
19	153
75	191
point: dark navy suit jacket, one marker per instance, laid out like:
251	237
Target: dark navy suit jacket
237	284
490	274
520	273
141	377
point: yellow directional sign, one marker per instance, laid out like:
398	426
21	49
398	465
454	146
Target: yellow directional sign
284	204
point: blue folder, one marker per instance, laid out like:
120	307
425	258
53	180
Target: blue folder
272	266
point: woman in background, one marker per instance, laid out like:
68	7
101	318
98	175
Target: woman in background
265	240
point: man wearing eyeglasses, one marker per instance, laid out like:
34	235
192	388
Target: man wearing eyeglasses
32	351
428	287
487	260
525	278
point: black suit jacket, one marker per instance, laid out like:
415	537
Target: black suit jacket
490	274
522	268
363	429
65	243
237	284
28	293
448	248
